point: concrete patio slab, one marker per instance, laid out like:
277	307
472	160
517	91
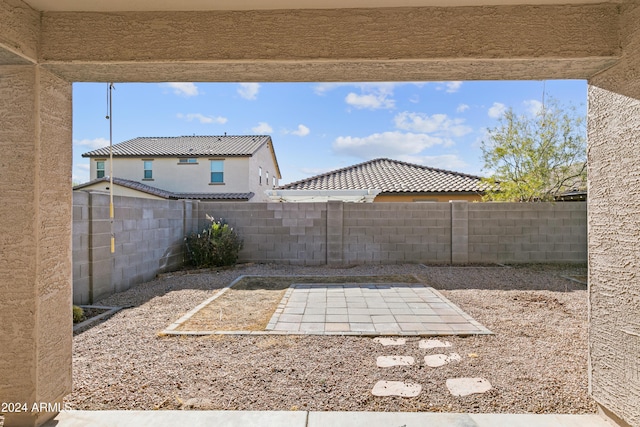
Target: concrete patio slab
317	419
416	419
179	418
384	309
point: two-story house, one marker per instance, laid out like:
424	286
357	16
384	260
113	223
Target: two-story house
188	167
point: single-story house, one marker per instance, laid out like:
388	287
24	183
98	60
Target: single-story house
391	181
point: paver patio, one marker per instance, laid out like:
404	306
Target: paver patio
376	309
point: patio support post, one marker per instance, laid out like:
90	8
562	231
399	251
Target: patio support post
614	229
35	243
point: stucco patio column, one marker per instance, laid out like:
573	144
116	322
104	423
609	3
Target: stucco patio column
35	243
614	229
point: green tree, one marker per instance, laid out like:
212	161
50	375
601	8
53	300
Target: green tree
534	158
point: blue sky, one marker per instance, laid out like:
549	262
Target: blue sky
317	127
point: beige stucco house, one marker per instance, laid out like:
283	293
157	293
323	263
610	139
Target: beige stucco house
188	167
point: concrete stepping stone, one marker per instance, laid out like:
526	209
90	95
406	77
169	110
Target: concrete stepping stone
387	361
390	341
431	343
396	388
467	386
436	360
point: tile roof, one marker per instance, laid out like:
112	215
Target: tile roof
392	176
134	185
232	145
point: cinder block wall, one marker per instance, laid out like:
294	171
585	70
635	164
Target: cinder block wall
150	235
396	233
149	238
527	232
291	233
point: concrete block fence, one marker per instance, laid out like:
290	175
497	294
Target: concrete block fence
150	233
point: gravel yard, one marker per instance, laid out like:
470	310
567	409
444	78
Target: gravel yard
536	361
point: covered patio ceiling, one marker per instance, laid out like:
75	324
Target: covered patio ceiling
184	5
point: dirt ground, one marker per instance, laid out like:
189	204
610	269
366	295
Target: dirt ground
536	360
250	303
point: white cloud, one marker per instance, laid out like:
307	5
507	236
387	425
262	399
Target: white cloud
370	101
446	161
202	118
263	128
80	173
183	89
387	144
439	124
301	131
373	96
449	87
91	144
497	110
453	86
249	90
533	106
462	108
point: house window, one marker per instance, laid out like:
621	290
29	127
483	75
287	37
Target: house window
260	175
217	171
188	160
148	169
100	169
266	176
273	181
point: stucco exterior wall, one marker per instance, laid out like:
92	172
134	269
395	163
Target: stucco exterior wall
170	175
35	266
19	32
261	159
310	45
614	229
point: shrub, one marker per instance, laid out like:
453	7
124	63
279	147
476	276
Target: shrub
78	314
217	245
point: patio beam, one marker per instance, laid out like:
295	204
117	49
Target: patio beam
419	43
19	33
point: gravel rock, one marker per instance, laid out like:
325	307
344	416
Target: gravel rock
536	360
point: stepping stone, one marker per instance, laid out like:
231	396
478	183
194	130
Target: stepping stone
436	360
387	361
433	343
396	388
467	386
390	341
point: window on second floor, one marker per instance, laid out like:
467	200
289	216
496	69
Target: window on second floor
100	169
148	169
217	171
260	175
187	160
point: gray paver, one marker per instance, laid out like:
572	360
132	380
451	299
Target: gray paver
391	308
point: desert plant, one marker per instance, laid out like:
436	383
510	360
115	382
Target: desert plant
215	246
78	314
